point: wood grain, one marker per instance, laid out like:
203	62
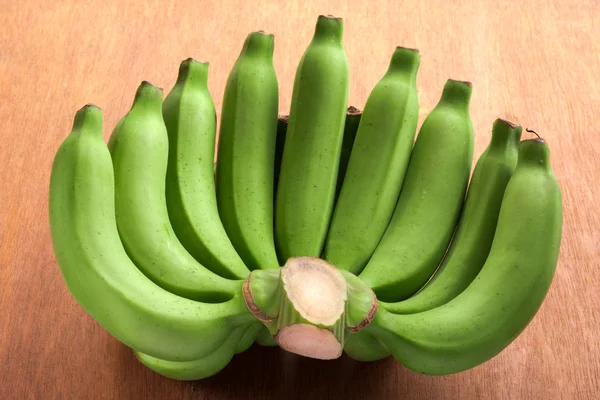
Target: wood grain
534	62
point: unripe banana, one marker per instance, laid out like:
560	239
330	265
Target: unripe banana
247	151
190	119
473	238
377	165
431	200
363	346
100	275
309	169
139	149
505	296
205	366
350	127
353	115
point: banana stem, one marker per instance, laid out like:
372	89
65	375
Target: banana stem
309	306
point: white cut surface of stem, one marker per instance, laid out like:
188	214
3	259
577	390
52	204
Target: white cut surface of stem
309	341
316	289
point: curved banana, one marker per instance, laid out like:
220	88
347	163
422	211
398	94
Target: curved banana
101	276
310	164
205	366
363	346
139	149
190	119
430	202
505	296
473	238
245	162
377	165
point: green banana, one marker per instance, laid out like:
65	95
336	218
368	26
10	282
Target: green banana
205	366
473	238
310	164
505	296
363	346
190	119
139	150
430	202
377	165
353	116
98	271
248	338
247	151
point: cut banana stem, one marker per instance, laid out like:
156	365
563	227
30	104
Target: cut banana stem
309	169
205	366
190	119
310	306
473	238
282	123
353	115
314	294
246	153
377	165
101	276
429	205
506	294
139	148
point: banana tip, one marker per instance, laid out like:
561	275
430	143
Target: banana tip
262	32
353	111
512	125
331	16
191	60
407	48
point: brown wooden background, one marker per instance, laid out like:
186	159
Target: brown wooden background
534	62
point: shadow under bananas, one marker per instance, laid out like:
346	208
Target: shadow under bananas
272	373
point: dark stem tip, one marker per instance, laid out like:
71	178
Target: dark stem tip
331	16
261	32
193	60
534	132
512	125
353	111
468	83
148	83
407	48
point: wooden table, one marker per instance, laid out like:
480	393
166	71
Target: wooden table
532	62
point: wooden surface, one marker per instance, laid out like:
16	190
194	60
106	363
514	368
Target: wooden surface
534	62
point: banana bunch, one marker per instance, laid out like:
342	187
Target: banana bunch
328	231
